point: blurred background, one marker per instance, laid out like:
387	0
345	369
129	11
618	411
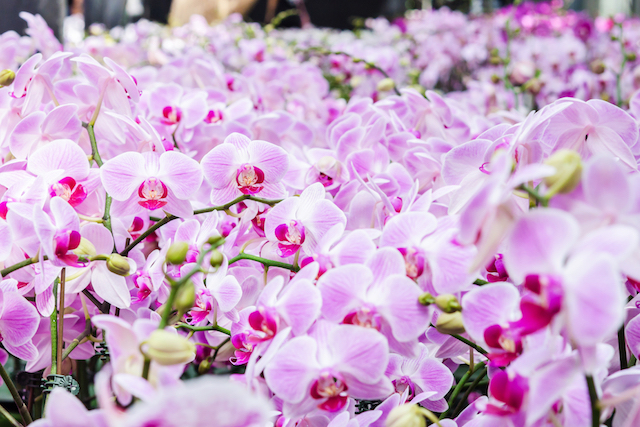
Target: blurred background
341	14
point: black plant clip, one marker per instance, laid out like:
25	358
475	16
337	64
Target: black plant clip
65	381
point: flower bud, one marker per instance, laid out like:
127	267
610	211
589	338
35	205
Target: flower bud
6	77
186	297
568	166
448	303
204	367
215	241
426	299
630	56
216	259
166	348
385	85
85	248
450	323
177	253
597	66
117	264
495	78
407	415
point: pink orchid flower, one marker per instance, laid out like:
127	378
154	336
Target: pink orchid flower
242	166
150	181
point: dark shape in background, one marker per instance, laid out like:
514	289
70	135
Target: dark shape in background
53	11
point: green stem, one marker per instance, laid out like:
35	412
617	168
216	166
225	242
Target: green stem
54	330
94	146
456	391
480	282
22	408
204	328
622	348
264	261
170	218
619	73
540	199
9	417
215	353
19	265
593	398
146	368
76	341
473	345
472	387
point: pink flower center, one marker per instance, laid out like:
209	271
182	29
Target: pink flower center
142	281
65	241
214	116
136	227
265	321
367	317
414	261
249	179
152	192
291	236
331	387
403	383
509	391
69	191
172	115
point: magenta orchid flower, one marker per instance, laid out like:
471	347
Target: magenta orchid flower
59	232
300	222
242	166
327	368
150	181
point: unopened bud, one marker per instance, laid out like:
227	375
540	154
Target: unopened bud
186	297
204	367
166	348
448	303
630	56
177	253
385	85
117	264
568	166
495	78
407	415
426	299
495	60
85	248
216	259
597	66
533	86
215	241
6	77
450	323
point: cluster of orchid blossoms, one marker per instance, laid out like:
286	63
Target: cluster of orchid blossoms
390	262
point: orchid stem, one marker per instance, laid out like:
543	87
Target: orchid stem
61	316
472	387
475	346
622	348
459	387
19	265
9	418
94	145
264	261
170	218
204	328
593	398
22	408
54	330
146	368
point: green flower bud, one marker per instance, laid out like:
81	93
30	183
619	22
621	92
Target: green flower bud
215	241
6	77
630	56
85	248
495	78
204	367
450	323
407	415
448	303
216	259
385	85
597	66
166	348
568	166
118	264
186	297
426	299
177	253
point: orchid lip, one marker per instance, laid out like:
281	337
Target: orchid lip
249	179
153	193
